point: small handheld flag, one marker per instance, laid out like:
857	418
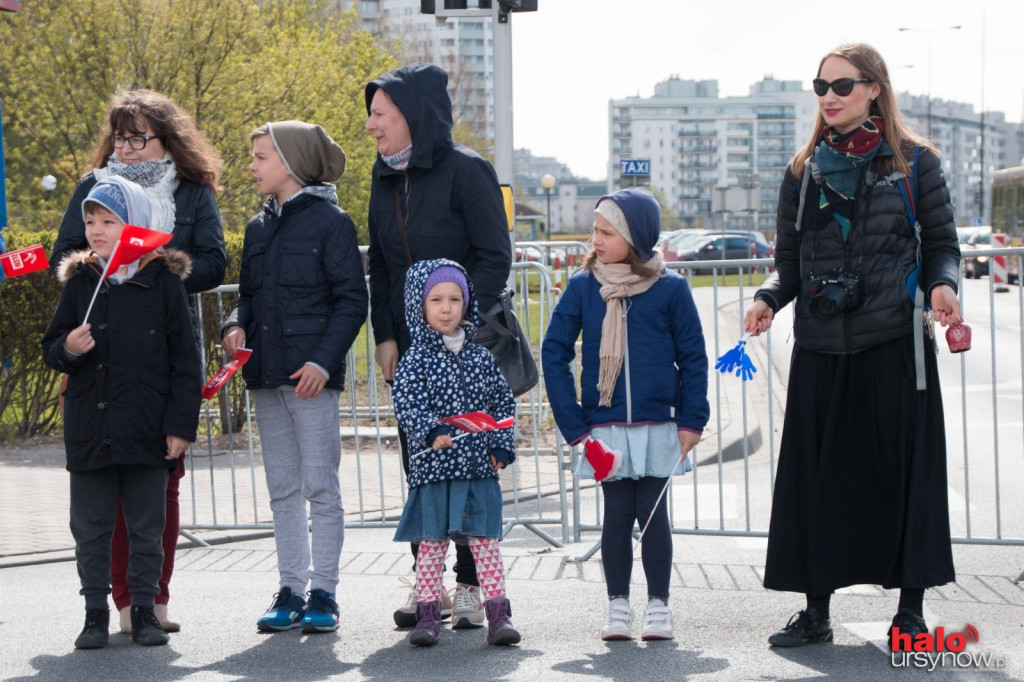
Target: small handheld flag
737	359
224	373
603	459
475	422
134	243
24	261
472	422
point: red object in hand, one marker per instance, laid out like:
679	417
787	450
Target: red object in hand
477	422
604	461
224	373
958	336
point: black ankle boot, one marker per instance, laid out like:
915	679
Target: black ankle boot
96	631
146	628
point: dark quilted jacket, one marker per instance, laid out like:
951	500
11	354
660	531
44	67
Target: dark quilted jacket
301	292
432	382
881	250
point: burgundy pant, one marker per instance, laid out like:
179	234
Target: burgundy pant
119	545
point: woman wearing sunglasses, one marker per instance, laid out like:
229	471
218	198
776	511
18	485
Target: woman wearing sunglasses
148	139
860	491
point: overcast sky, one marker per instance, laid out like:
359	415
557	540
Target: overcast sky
572	56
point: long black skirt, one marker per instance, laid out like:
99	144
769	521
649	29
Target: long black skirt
860	491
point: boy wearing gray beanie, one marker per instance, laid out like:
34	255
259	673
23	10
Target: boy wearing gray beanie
301	301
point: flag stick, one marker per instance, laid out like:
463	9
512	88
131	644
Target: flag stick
454	438
656	502
98	285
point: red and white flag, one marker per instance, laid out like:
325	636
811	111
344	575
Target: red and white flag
134	243
24	261
476	422
224	373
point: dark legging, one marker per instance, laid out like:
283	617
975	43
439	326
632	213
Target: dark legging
465	567
626	502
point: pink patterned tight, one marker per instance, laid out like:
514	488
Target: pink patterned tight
430	566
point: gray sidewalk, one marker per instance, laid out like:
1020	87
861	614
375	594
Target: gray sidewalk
722	614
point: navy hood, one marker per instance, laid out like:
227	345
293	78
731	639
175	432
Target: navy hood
415	279
643	215
420	91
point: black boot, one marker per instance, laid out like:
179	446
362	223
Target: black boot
146	628
806	627
96	631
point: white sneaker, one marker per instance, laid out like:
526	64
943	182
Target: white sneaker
405	616
124	620
469	610
657	621
618	622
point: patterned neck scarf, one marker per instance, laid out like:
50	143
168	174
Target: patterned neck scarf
158	178
840	158
400	160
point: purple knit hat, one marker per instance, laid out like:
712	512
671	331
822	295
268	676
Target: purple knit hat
447	273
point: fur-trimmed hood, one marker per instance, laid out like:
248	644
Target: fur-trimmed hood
176	261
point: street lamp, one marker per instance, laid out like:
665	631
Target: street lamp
548	182
930	31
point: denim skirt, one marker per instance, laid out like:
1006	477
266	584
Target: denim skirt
457	509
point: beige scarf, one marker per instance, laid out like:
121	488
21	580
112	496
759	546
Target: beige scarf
617	282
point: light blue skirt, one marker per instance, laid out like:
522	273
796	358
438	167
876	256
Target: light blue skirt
647	450
457	509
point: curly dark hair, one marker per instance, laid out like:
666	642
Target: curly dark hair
133	111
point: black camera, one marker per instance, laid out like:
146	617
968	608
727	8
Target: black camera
833	294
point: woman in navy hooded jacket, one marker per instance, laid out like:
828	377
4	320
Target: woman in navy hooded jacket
644	376
451	207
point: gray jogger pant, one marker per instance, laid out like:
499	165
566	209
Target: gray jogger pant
301	445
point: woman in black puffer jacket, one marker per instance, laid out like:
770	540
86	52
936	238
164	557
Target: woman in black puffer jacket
860	493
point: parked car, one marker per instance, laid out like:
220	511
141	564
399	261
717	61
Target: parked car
973	244
685	240
715	246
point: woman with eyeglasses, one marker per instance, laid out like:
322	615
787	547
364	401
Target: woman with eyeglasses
860	491
150	140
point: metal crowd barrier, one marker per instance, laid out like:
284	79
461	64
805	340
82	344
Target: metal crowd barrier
729	491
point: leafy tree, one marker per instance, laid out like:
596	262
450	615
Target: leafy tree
233	64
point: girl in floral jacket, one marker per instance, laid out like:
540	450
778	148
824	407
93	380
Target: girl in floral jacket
453	486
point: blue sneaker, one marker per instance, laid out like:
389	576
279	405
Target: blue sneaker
284	614
321	613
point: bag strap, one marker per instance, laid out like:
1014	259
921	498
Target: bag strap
401	227
506	309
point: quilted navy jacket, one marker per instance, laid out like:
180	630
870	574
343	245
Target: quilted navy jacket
664	377
301	292
432	382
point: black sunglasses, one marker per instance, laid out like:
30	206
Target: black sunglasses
840	86
136	142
